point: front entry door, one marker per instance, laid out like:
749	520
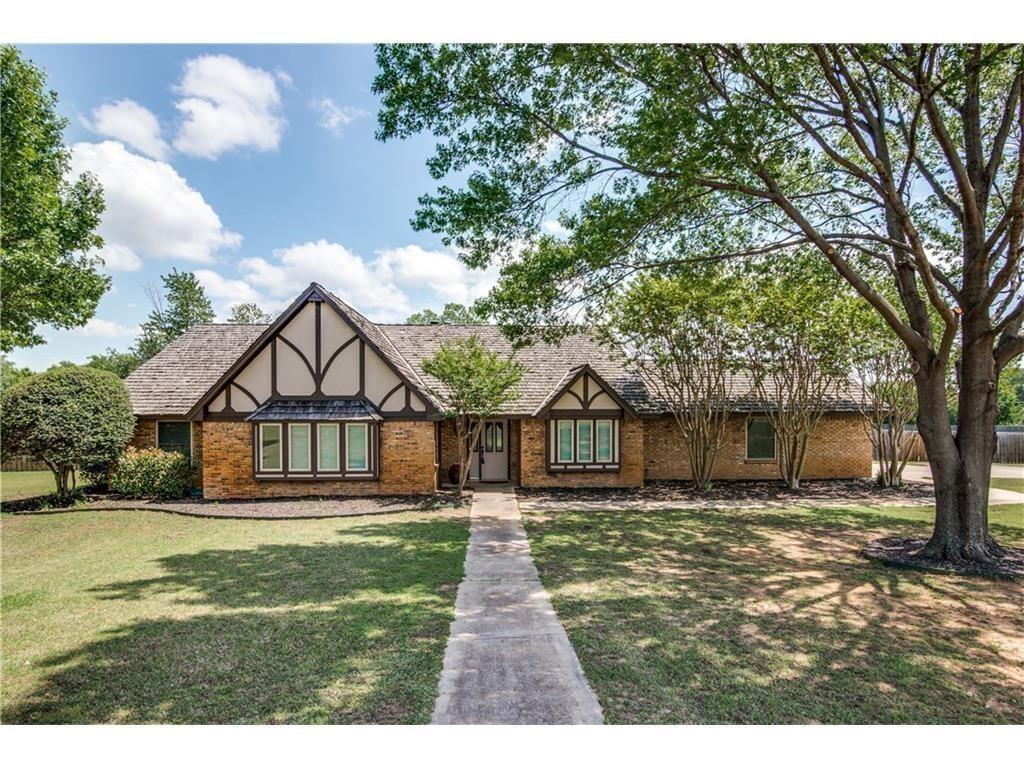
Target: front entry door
490	459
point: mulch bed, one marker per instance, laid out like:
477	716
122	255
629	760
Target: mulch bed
901	551
260	509
739	490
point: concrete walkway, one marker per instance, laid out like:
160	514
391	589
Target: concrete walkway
508	659
922	473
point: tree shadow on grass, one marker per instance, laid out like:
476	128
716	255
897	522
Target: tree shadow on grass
771	617
347	632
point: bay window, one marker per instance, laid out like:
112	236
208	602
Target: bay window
312	450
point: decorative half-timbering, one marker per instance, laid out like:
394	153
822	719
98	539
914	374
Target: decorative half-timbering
584	423
315	351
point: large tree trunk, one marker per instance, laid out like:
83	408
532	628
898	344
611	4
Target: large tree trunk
961	465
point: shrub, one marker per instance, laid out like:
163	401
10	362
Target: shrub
152	474
67	417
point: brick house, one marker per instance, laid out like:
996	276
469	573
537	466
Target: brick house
325	402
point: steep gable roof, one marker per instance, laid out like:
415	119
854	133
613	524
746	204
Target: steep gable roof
170	382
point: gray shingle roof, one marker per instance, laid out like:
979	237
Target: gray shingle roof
316	410
170	382
547	365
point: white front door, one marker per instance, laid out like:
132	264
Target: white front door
490	459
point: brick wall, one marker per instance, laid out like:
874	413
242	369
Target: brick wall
533	467
145	438
406	465
839	448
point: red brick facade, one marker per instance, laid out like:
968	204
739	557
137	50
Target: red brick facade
534	472
651	449
406	465
839	448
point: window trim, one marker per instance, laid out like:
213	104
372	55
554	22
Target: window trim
191	439
366	448
337	446
280	446
553	459
746	441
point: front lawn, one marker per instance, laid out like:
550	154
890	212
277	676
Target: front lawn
134	617
1009	483
771	616
25	485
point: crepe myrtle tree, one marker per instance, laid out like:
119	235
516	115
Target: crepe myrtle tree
473	383
887	397
69	418
799	336
907	158
680	332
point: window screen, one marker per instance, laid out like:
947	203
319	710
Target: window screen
270	447
356	447
760	439
565	441
584	441
604	440
328	458
174	436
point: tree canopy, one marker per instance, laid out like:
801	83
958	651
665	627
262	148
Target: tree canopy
185	304
249	312
48	220
452	314
901	166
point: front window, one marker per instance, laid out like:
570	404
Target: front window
175	436
760	438
327	448
270	447
565	452
356	447
604	440
298	448
584	442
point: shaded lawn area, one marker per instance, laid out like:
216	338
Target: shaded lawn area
771	616
1009	483
120	616
25	485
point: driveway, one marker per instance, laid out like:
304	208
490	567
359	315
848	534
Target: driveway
922	473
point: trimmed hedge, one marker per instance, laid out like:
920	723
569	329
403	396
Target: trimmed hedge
152	473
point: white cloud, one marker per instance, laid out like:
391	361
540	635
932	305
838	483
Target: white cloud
333	265
225	291
334	117
227	105
106	329
119	258
441	272
151	211
553	227
131	124
284	78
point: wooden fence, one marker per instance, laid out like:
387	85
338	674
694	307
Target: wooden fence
1009	446
23	464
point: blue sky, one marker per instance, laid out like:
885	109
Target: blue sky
254	166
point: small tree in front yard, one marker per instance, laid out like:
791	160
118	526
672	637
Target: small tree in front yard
679	332
888	398
473	384
800	336
68	417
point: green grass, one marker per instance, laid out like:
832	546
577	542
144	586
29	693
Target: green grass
1009	483
771	616
25	485
134	617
